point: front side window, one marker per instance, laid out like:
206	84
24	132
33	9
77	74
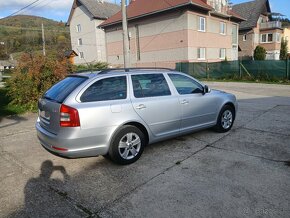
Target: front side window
185	85
150	85
114	88
201	24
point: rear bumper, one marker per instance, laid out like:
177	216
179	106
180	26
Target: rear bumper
72	147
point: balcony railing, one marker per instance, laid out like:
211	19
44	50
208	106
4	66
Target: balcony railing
218	6
271	25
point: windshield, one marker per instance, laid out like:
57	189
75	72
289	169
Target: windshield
62	89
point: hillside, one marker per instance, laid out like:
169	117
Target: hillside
23	33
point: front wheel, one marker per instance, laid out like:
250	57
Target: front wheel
127	145
225	119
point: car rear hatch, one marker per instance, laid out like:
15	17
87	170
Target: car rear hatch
50	103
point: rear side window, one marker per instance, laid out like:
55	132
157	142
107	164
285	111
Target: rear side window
114	88
185	85
62	89
150	85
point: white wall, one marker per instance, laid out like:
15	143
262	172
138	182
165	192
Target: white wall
93	39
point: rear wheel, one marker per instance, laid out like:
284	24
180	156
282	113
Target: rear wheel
127	145
225	119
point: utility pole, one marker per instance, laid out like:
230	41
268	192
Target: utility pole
126	50
43	40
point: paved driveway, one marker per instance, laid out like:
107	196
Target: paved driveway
243	173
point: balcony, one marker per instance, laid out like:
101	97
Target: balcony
218	6
271	25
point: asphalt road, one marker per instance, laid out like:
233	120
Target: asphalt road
243	173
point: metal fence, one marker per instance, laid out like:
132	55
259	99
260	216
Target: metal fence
263	70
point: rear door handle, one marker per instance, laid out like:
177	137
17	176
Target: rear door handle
141	106
184	102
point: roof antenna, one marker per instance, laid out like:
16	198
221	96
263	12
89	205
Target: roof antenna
88	65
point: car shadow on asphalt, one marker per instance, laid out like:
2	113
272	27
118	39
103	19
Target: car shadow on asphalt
11	120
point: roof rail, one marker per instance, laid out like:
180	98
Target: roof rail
134	68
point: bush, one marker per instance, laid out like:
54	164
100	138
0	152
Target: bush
32	77
284	49
96	66
260	53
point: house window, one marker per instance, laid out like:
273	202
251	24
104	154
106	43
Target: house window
266	38
222	53
270	37
82	55
223	28
278	37
138	43
245	37
201	53
201	24
80	41
235	34
79	28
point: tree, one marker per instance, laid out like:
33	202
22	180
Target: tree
284	49
3	55
33	75
260	53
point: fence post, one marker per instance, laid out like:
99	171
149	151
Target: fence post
287	68
240	70
207	72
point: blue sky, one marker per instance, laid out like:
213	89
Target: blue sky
279	6
59	9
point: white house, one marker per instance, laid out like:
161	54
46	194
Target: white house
87	39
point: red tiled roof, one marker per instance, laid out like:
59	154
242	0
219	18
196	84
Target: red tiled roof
235	15
140	8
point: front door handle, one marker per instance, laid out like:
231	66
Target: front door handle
184	102
141	106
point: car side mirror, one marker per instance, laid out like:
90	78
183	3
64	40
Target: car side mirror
206	89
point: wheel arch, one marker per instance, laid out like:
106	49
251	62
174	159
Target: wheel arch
139	126
231	104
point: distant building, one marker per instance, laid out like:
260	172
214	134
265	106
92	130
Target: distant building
164	32
258	29
286	35
7	64
70	55
88	41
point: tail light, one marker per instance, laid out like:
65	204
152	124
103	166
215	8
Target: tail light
69	117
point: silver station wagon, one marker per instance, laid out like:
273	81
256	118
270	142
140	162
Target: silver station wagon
116	112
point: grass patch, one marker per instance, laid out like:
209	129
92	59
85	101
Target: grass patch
6	108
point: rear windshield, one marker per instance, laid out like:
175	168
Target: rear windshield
62	89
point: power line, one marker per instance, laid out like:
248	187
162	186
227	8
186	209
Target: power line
36	5
23	8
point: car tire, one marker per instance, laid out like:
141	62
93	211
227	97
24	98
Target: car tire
225	119
127	145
